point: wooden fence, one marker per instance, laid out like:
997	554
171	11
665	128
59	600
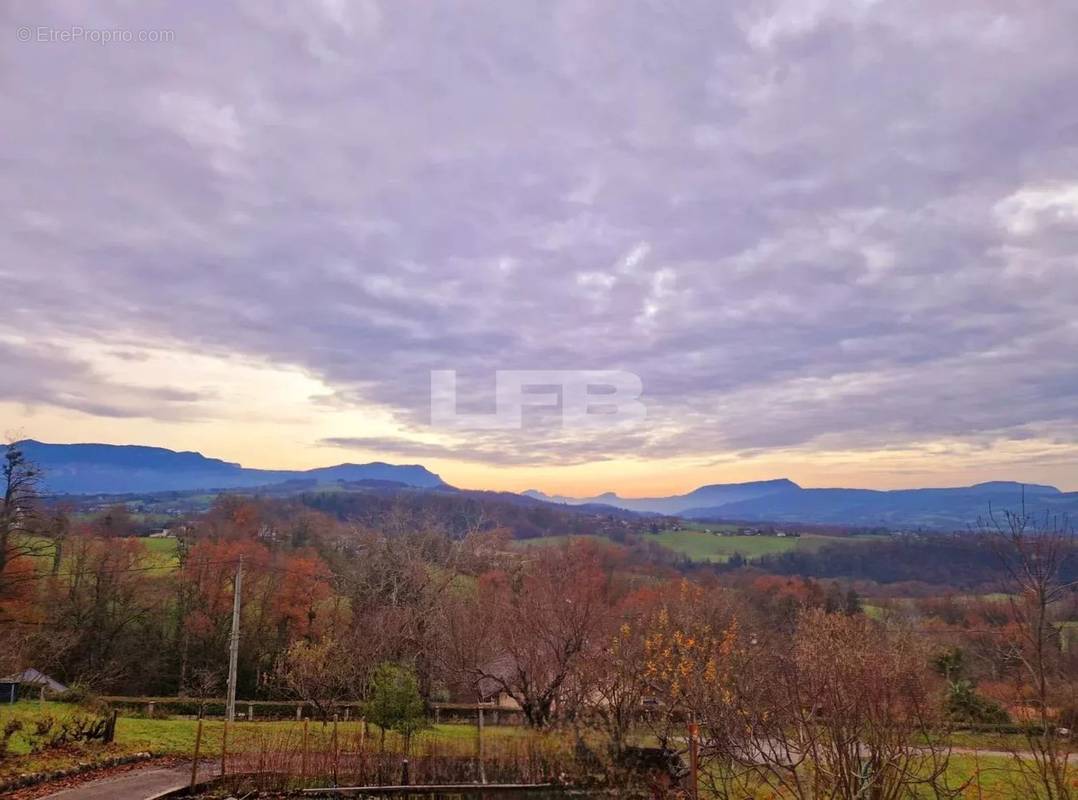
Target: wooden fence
256	710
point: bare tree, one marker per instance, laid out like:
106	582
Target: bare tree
320	673
1039	559
845	708
18	516
532	627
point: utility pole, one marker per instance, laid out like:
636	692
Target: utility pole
234	644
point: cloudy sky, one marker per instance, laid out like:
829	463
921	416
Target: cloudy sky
836	241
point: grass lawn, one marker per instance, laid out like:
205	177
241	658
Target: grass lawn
987	777
176	736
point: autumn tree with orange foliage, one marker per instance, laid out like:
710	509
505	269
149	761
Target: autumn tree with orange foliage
286	595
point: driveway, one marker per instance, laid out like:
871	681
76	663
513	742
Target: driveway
142	784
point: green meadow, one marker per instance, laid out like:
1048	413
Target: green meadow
699	545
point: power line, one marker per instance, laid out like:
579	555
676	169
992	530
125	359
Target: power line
234	642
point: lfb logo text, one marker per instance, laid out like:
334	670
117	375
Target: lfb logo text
588	398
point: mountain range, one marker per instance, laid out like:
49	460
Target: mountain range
83	469
783	500
130	469
712	496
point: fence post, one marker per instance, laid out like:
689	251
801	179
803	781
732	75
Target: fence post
198	743
110	729
336	751
149	709
303	762
250	712
299	713
694	760
479	738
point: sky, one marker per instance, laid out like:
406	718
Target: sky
834	241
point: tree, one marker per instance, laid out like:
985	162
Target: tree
612	690
320	673
284	597
107	606
1039	559
395	703
873	726
533	626
18	514
844	708
115	522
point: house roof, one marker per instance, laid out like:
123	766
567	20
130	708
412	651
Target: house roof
503	667
33	677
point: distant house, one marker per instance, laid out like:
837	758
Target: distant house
491	688
31	679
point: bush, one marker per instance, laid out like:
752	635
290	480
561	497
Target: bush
12	727
47	732
395	702
78	694
964	704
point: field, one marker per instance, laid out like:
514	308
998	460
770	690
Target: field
700	545
163	550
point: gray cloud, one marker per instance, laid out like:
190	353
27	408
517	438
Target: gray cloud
34	374
797	223
485	454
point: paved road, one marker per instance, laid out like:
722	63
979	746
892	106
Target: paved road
135	785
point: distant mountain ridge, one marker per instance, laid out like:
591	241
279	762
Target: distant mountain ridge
712	495
126	469
784	501
84	469
948	508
